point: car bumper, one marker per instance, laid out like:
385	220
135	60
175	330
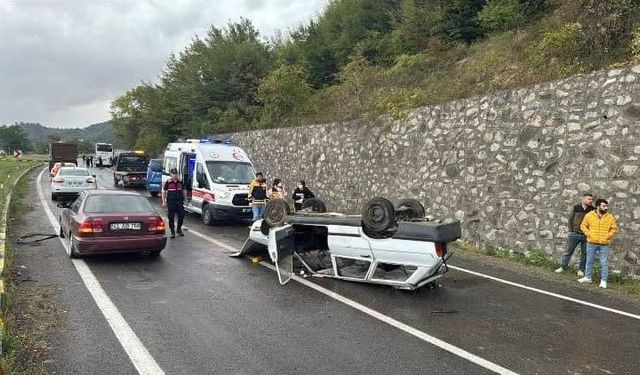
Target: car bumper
124	244
154	187
221	212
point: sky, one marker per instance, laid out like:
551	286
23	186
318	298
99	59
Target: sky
63	62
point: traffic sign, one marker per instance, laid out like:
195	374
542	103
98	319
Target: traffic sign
17	153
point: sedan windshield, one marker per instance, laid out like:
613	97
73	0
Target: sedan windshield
81	172
116	204
229	172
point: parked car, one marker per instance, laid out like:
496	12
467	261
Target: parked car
70	181
389	245
154	177
108	221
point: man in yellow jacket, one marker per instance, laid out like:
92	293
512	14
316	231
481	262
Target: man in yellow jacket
600	227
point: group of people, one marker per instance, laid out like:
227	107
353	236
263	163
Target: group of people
259	193
88	161
593	229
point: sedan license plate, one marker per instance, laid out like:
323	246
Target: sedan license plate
125	226
246	210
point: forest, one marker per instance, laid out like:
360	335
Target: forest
359	59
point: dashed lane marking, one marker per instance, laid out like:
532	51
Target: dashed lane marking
137	352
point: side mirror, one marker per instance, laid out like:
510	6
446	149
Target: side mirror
64	204
93	175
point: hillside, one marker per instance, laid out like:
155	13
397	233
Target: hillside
362	58
100	132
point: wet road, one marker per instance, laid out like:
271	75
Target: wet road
198	311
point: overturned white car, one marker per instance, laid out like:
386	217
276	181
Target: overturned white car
389	245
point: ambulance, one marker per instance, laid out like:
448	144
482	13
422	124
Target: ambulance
216	175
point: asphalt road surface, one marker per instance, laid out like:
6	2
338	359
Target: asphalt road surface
194	310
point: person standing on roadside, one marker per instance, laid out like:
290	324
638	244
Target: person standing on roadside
173	196
257	195
600	227
576	237
301	194
277	190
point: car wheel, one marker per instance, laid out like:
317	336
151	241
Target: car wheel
275	211
378	216
154	194
315	205
54	197
408	209
207	215
73	254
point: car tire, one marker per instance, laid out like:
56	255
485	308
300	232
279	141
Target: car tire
378	216
207	215
275	211
73	254
315	205
154	194
409	209
54	197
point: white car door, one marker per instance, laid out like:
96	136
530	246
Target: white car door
350	252
281	247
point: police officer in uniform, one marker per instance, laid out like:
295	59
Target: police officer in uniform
173	196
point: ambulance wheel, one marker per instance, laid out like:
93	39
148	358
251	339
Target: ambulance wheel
154	194
314	205
408	209
275	211
378	216
207	215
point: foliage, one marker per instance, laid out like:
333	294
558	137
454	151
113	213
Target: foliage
361	59
635	44
284	93
500	15
14	138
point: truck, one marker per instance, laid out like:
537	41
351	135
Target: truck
216	174
130	168
60	152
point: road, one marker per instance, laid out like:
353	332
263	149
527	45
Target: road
195	310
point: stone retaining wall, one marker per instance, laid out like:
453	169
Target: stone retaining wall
509	165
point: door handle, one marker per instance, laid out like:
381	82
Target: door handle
365	256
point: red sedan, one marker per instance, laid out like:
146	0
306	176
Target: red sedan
106	222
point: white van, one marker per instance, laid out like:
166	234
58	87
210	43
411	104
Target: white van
216	175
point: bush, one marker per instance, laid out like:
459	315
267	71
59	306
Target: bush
560	46
500	15
635	44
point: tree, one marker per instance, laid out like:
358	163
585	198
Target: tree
284	93
14	138
500	15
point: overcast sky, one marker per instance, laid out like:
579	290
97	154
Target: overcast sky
62	62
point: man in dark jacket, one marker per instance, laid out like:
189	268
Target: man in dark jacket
576	237
301	194
173	197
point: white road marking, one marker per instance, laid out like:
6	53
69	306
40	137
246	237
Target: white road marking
379	316
545	292
139	355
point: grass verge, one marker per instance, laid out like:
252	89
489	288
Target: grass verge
541	261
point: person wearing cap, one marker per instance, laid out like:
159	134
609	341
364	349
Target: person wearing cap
173	196
258	195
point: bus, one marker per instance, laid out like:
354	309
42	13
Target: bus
104	152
